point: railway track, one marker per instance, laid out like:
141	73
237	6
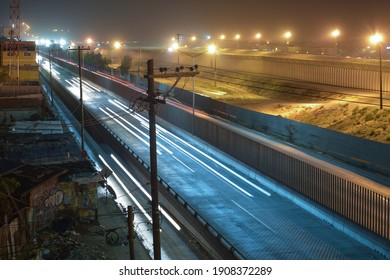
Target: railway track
258	84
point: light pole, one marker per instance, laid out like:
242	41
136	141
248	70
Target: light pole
377	39
116	45
237	37
222	37
79	50
258	36
335	34
51	85
211	49
287	36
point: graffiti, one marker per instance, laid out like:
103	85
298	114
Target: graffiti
54	199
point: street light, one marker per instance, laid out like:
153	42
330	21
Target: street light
116	45
258	36
335	34
211	49
377	39
237	37
287	36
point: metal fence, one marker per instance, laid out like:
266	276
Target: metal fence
354	197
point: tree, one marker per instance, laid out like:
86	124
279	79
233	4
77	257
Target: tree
125	65
96	60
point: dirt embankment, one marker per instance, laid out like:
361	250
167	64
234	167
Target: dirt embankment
321	106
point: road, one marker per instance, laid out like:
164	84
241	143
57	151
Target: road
258	221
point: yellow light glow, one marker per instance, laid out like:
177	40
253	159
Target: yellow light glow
222	37
212	49
258	36
336	33
117	45
89	41
238	36
376	38
193	38
287	35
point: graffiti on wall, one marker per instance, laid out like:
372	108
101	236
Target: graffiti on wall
55	199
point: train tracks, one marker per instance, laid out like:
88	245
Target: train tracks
281	89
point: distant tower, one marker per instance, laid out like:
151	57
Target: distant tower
14	40
14	18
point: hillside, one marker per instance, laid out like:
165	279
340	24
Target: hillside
311	104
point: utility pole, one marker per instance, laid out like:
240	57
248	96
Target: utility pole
79	50
51	83
130	213
178	46
380	77
153	101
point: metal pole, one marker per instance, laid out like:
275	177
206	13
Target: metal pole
193	98
51	85
81	103
130	213
153	162
79	49
215	70
112	70
380	78
139	62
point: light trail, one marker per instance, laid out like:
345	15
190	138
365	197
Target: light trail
125	127
139	131
126	190
138	184
160	129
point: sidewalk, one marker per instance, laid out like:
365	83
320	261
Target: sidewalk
111	217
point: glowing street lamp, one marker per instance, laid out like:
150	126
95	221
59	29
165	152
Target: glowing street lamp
335	33
287	36
237	37
377	39
116	46
211	49
258	36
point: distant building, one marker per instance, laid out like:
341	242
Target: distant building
18	60
20	90
43	196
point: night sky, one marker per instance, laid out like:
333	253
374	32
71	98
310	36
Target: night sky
153	22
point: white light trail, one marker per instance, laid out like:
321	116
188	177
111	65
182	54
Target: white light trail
139	131
126	190
138	184
217	162
159	128
125	127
